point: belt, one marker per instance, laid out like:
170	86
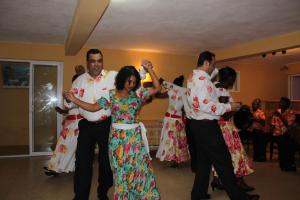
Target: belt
173	116
74	117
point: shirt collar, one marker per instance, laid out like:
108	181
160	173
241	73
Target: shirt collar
200	72
102	73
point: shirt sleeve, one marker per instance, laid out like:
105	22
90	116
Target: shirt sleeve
168	85
75	90
201	99
143	94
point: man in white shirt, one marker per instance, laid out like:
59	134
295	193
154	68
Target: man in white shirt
93	128
190	140
205	111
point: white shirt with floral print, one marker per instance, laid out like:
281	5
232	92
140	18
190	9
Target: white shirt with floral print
202	96
89	89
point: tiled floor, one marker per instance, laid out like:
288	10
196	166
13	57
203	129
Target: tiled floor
23	179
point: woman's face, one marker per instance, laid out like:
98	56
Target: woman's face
130	83
256	105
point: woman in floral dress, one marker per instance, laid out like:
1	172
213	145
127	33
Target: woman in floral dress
173	142
63	158
240	161
130	162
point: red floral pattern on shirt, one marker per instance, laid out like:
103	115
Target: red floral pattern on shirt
278	126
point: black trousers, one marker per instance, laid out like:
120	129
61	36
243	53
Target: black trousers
212	150
91	133
259	145
192	146
286	151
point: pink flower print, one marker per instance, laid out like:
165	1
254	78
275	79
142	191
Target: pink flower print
81	92
171	134
173	97
196	102
134	104
103	117
115	107
136	148
213	108
201	78
62	148
127	149
75	91
98	78
209	89
178	125
76	131
205	101
64	133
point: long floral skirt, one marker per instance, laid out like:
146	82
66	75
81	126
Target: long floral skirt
240	161
132	170
63	158
173	142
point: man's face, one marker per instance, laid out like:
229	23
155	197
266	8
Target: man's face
212	65
95	64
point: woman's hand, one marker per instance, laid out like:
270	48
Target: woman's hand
147	65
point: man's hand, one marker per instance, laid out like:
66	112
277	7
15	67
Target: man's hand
224	99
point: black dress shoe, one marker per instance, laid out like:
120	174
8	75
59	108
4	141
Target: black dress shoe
51	173
252	197
216	183
245	187
103	197
207	196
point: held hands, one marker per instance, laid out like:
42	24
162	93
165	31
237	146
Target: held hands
147	65
69	96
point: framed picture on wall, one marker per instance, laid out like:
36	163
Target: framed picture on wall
15	74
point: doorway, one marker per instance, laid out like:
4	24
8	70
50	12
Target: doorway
29	93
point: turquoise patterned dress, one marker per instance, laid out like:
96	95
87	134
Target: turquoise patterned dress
129	160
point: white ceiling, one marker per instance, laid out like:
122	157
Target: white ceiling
173	26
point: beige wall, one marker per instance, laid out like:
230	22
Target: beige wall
259	81
14	128
293	68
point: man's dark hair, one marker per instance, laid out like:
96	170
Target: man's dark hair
206	55
124	73
93	51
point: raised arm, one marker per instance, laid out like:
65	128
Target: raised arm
84	105
156	85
